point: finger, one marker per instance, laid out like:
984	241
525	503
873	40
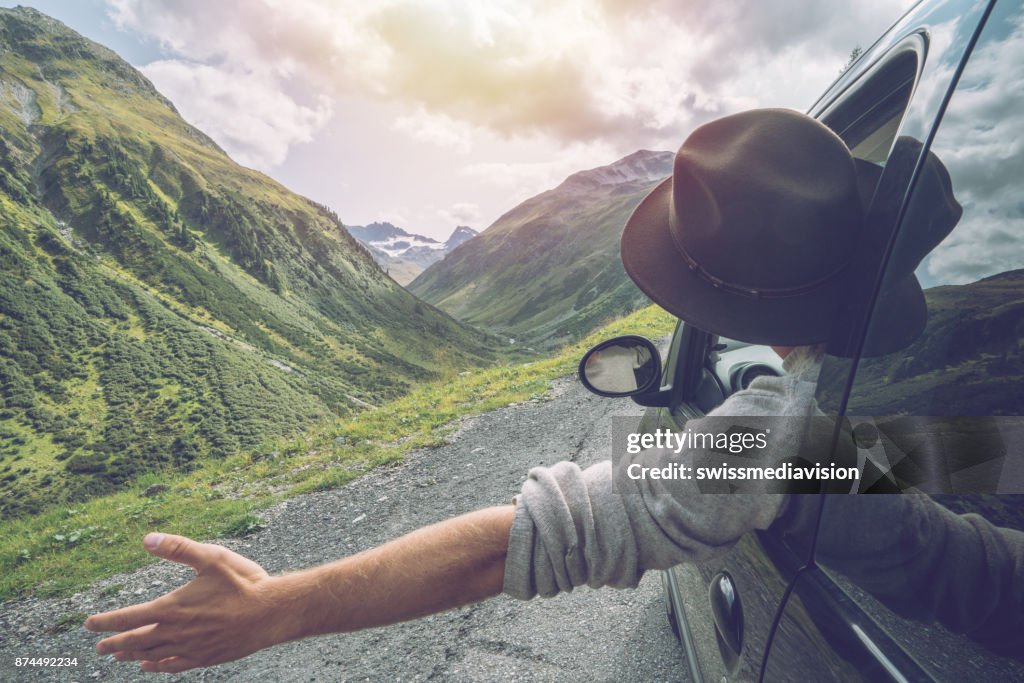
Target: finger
138	639
182	550
153	654
133	656
171	665
127	618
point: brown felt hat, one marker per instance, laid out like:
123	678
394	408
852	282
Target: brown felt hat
900	310
753	235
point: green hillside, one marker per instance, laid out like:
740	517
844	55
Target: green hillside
549	270
968	361
66	547
160	304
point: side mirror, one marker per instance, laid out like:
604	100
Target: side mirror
622	366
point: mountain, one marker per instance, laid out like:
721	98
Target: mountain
968	361
549	269
403	255
381	232
459	236
160	303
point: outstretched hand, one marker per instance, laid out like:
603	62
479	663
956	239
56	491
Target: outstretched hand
226	612
233	608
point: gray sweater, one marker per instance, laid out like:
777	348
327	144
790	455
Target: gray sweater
572	527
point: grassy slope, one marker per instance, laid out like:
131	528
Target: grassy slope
68	547
154	294
548	271
968	361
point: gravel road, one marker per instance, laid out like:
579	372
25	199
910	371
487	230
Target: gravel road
588	635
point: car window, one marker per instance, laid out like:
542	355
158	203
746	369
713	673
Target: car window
945	400
867	120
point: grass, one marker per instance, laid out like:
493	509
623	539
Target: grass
243	525
62	549
67	622
111	590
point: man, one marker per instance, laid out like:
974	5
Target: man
750	238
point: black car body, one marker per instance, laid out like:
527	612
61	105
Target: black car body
946	80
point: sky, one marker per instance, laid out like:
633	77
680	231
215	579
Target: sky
437	113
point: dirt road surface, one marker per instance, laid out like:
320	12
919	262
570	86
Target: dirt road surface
588	635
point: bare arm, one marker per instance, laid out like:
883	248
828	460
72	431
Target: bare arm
233	608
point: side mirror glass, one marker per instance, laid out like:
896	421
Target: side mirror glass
623	366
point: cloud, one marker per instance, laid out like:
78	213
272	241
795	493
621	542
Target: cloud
981	142
396	216
461	213
245	111
437	129
521	180
578	71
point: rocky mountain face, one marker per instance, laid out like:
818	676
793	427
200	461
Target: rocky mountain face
403	255
158	302
459	236
641	167
549	269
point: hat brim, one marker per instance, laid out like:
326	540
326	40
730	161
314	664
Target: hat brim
651	259
898	319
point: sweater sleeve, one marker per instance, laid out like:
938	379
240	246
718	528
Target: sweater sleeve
927	563
571	528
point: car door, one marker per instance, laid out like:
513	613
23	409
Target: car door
928	586
728	610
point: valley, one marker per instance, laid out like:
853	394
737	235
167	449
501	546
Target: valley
161	304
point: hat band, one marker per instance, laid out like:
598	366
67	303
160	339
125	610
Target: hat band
751	292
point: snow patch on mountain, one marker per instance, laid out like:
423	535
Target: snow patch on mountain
396	246
405	255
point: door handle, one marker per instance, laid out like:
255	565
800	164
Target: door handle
727	613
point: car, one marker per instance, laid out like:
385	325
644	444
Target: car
941	89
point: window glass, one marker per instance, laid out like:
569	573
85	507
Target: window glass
942	573
868	120
870	137
962	240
